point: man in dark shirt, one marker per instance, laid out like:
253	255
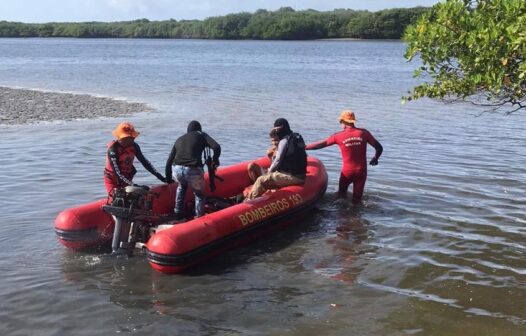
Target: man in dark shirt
186	157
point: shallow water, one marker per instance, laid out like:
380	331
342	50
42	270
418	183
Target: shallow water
437	248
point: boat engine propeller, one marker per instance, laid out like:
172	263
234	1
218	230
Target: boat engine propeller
131	209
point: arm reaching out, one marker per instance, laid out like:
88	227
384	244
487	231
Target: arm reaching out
316	145
146	164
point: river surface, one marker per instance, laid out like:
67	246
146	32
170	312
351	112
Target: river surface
437	248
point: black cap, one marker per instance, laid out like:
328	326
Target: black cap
193	126
282	126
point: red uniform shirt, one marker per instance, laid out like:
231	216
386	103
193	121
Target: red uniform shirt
353	146
119	163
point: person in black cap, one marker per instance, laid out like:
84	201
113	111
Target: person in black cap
289	166
186	156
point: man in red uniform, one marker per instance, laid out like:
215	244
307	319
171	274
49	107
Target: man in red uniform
119	170
353	146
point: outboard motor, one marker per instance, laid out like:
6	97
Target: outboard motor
131	209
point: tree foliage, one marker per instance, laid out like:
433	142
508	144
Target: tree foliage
282	24
473	51
389	23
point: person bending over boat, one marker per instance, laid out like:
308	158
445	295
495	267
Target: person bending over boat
186	157
352	142
289	167
119	170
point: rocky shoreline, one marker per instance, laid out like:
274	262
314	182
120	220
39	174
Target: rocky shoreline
20	106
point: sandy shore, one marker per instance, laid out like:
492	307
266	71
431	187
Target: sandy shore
19	106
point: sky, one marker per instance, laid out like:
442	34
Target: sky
38	11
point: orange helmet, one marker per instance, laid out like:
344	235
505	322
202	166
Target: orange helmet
347	116
124	130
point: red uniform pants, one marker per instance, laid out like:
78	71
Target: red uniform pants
358	182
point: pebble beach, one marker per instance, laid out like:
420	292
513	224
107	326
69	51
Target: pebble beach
20	106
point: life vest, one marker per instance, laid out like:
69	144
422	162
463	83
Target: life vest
125	157
295	160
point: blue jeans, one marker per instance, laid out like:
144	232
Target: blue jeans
193	176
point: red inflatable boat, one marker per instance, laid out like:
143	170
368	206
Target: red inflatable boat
184	244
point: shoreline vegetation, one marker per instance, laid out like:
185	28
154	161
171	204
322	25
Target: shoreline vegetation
282	24
21	106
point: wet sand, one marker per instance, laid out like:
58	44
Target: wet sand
19	106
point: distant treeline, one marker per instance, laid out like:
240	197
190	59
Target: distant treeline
283	24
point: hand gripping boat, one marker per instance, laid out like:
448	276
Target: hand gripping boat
180	245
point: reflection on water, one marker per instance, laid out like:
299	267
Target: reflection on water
346	253
437	248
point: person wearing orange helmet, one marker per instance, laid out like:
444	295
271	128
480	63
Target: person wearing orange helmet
119	170
352	142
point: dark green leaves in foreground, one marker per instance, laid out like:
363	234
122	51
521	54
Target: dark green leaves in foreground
472	50
283	24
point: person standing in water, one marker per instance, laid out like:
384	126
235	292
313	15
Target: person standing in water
186	157
352	142
119	170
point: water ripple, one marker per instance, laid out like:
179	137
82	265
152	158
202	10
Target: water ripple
439	237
